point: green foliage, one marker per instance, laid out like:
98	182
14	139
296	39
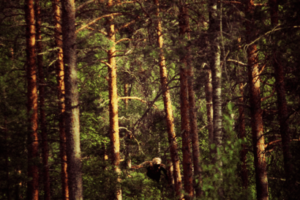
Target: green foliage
225	177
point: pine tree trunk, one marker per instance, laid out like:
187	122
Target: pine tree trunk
282	105
168	108
46	178
256	111
61	97
33	184
185	129
72	123
184	110
113	104
242	135
216	69
184	24
194	131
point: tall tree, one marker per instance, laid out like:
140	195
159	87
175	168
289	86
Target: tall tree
192	110
46	178
255	104
281	101
32	102
72	125
61	96
113	102
168	106
184	107
216	69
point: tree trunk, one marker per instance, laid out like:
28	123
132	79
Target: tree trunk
209	105
33	184
184	110
214	29
46	178
61	97
113	104
168	108
127	138
256	111
242	135
192	109
72	125
194	133
282	105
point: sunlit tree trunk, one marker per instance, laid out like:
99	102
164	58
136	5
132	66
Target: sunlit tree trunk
61	97
255	103
46	178
32	103
209	105
282	105
72	123
216	69
113	103
168	107
127	151
184	109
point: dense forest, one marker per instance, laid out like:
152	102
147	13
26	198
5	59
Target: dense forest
149	99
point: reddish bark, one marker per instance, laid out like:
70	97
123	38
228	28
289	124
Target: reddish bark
61	97
32	103
45	154
184	111
168	108
194	134
281	102
256	111
72	123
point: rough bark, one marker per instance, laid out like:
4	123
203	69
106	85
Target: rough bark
185	28
45	154
184	110
72	124
282	104
194	133
242	135
168	107
61	97
255	104
113	104
185	129
32	102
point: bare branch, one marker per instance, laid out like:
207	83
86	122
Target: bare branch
97	19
